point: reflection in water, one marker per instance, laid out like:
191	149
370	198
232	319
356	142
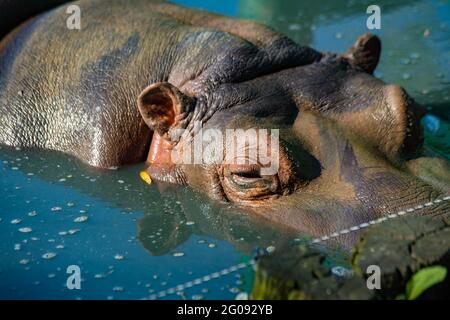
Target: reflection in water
171	214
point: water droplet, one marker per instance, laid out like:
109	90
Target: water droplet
24	261
49	255
294	27
17	246
32	214
16	221
119	257
234	290
25	230
80	219
56	209
242	296
212	245
190	223
118	289
406	76
270	249
178	254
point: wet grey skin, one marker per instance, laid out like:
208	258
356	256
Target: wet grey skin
138	71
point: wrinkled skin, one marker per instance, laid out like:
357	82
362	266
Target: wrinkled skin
115	92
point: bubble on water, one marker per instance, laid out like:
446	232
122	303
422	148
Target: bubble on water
99	276
35	239
119	257
17	246
56	209
242	296
32	214
25	230
178	254
405	61
120	181
117	289
406	76
30	174
80	219
234	290
48	255
294	27
62	233
190	223
59	246
24	261
70	204
62	180
270	249
212	245
197	297
14	168
341	271
51	275
16	221
338	35
431	123
73	231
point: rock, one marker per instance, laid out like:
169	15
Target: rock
401	248
299	273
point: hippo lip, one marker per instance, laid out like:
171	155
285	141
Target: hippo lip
165	173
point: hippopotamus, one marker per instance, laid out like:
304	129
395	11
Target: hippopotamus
140	77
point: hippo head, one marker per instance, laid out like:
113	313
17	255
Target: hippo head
316	145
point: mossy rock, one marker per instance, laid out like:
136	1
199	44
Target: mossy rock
299	273
401	248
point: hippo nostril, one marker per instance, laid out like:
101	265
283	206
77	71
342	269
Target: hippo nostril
404	118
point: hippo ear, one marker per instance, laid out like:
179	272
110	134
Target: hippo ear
365	53
162	106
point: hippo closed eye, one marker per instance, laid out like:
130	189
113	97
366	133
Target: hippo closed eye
141	86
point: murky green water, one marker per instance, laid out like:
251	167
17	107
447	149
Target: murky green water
131	240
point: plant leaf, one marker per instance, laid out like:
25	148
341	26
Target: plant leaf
424	279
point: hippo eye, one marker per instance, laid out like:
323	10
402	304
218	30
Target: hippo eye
245	183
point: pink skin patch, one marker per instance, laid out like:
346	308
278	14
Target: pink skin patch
159	161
